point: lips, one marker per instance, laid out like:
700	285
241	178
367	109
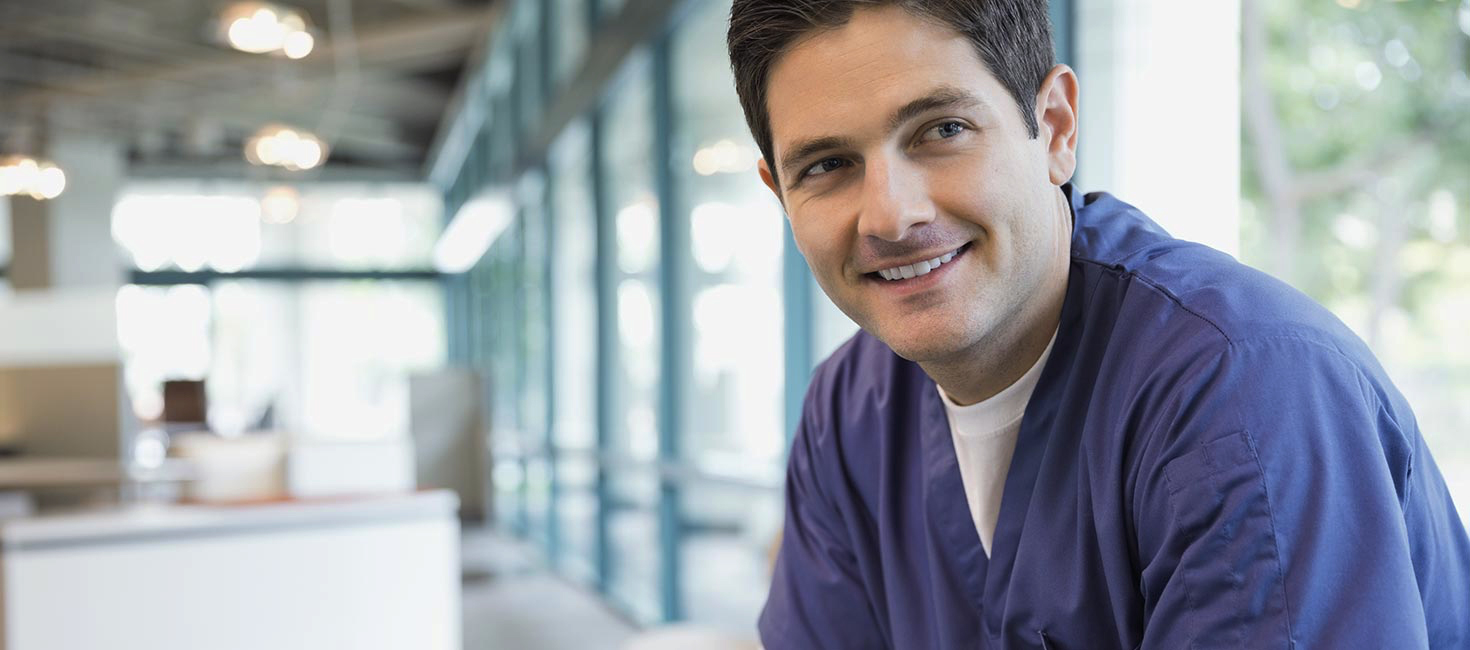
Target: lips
918	269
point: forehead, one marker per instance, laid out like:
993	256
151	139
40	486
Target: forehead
847	80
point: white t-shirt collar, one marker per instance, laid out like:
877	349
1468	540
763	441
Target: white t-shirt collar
993	415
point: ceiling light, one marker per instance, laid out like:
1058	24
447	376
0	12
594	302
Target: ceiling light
51	181
298	44
281	146
24	175
264	28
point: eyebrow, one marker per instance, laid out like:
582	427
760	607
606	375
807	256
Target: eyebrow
943	96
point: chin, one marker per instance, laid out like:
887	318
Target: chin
919	343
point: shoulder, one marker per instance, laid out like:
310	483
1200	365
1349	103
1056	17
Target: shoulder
1217	345
862	404
1184	285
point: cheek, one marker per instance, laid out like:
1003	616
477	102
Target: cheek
823	236
974	187
818	246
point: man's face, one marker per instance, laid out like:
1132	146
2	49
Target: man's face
897	150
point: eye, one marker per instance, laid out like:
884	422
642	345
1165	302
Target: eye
823	166
943	131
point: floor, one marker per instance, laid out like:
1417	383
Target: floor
510	604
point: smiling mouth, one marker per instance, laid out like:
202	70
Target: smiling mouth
918	269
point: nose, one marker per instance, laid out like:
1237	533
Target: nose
895	200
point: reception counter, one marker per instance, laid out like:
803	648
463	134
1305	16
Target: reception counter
359	573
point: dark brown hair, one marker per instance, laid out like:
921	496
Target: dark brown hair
1012	37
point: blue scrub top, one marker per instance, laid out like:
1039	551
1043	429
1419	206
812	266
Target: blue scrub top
1210	460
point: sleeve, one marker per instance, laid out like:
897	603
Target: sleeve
1441	552
1274	517
818	600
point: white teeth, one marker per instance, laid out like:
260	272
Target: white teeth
916	270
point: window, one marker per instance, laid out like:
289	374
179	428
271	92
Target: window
533	334
735	226
320	359
734	415
608	8
574	285
569	30
316	358
574	298
632	439
234	227
627	166
530	78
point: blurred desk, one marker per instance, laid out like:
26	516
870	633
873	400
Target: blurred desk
361	573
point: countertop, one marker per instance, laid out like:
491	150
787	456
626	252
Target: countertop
157	522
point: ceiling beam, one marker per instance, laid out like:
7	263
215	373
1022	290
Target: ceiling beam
132	38
359	136
241	170
435	5
434	40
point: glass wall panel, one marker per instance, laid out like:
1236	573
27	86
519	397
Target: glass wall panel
496	300
529	79
632	440
609	8
633	535
574	284
358	341
569	29
725	552
500	304
190	226
534	324
734	422
627	167
538	499
318	359
576	514
534	373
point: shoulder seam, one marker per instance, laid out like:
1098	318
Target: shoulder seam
1133	273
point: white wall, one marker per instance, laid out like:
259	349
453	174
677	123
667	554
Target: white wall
59	327
82	250
1160	111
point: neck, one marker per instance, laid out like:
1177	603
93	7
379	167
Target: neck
983	371
1000	359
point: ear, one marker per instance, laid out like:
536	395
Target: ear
770	180
1056	113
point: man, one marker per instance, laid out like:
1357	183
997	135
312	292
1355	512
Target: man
1207	458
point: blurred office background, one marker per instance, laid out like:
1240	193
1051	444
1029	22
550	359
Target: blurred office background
498	278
